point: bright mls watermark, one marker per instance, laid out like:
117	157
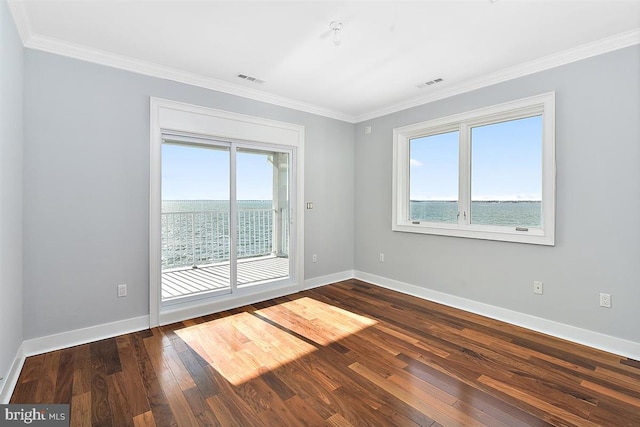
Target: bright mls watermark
36	415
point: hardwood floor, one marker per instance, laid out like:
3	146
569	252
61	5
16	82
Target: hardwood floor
347	354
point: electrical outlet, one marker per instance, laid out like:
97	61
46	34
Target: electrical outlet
314	257
605	300
381	258
122	291
537	287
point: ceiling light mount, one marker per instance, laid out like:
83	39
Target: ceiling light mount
336	27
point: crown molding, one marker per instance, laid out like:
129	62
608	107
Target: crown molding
19	13
38	42
31	40
608	44
169	73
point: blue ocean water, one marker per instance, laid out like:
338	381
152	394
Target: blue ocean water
511	213
211	205
198	232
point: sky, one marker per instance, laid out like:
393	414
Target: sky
506	161
506	165
199	173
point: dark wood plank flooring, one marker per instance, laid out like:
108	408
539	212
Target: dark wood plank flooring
347	354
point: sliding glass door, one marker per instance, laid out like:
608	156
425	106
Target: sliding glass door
196	206
225	223
262	212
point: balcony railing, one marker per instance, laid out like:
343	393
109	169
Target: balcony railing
199	238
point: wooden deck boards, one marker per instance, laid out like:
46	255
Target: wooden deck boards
347	354
187	281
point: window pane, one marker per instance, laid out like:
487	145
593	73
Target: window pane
506	173
262	188
433	178
195	234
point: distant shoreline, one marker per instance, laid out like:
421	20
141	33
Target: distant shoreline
477	201
211	200
412	201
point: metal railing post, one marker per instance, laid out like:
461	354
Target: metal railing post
193	239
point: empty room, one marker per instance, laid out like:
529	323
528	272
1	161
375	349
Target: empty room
342	213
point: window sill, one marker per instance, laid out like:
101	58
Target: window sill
534	236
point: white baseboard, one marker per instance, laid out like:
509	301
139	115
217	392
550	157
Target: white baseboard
12	377
597	340
82	336
67	339
328	279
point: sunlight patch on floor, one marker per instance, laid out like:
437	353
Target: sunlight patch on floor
243	345
317	321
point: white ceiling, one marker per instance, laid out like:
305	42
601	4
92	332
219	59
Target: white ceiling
388	47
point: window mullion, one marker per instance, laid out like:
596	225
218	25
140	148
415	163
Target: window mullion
499	172
464	180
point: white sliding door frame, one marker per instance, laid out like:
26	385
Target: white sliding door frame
171	117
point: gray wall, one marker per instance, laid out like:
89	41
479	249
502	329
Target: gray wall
11	138
598	205
86	189
86	197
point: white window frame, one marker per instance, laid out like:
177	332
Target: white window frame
537	105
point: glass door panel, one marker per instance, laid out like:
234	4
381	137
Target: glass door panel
262	213
196	231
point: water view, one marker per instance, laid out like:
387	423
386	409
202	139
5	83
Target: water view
510	213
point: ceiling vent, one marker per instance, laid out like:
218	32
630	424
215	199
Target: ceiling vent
250	78
430	83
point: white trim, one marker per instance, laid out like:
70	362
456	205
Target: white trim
84	335
45	344
328	279
172	115
223	303
12	377
155	205
67	339
592	339
59	47
166	116
109	59
21	18
401	221
588	50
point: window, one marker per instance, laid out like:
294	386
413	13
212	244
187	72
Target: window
485	174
